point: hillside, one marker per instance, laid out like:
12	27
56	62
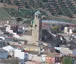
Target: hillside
4	15
53	9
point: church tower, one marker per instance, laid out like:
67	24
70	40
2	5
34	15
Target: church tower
36	28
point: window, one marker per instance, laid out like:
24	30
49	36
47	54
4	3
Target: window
35	26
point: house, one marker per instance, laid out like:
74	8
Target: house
3	54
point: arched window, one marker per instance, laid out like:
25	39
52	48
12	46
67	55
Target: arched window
35	26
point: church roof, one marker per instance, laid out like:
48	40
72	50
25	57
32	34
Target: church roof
37	12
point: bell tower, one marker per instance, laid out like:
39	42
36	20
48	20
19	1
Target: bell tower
36	28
